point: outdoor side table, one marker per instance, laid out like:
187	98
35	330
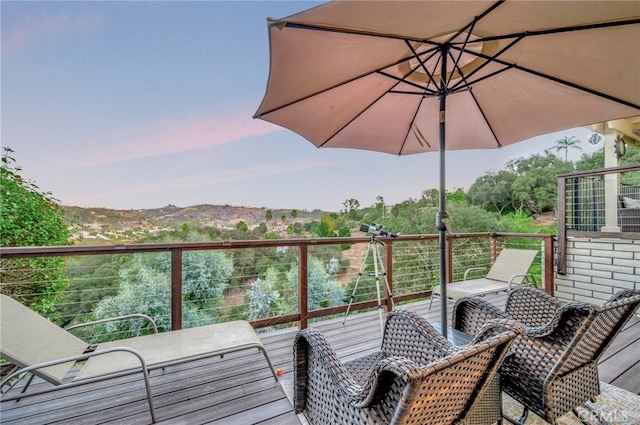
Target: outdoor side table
487	409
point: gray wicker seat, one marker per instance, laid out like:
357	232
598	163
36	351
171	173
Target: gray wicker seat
417	376
553	366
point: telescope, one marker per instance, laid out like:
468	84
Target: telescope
377	230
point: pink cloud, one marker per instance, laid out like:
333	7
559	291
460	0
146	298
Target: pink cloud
33	28
188	134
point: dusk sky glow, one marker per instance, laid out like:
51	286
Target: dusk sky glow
131	105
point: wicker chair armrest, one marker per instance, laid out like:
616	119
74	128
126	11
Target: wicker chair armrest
559	318
407	334
623	297
312	352
496	327
379	383
357	394
471	313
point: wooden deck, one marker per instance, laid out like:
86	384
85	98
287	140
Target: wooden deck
239	389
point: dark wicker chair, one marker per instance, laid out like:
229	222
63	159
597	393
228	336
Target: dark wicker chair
416	377
553	367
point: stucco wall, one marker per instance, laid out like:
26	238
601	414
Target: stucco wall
597	268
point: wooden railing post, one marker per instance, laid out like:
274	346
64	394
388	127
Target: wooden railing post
493	248
449	258
176	289
548	265
388	267
303	285
562	225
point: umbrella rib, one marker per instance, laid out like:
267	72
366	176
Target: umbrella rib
416	131
557	80
351	31
576	86
378	70
468	84
583	27
351	120
484	117
483	65
424	68
433	94
461	50
403	80
475	20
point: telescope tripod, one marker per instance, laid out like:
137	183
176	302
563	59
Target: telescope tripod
378	269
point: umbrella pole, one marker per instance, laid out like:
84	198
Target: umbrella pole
442	216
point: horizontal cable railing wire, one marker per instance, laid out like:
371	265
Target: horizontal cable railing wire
244	280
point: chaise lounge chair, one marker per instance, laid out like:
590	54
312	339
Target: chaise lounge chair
553	366
39	347
510	268
417	376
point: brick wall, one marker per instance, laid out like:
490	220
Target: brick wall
597	268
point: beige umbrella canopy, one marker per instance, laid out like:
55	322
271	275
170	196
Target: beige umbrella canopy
406	77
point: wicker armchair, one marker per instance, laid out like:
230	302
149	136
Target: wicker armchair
416	377
553	366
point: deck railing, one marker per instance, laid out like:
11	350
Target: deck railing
410	261
592	204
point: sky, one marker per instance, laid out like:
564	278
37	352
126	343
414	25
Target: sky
130	105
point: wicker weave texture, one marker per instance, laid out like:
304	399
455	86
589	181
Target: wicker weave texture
417	377
552	367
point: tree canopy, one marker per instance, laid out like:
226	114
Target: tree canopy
526	185
30	217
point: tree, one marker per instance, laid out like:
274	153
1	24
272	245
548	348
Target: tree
430	197
351	207
324	289
145	287
263	296
380	205
326	227
526	184
241	226
565	144
268	215
29	217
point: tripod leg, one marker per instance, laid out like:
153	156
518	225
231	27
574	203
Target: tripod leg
355	288
376	258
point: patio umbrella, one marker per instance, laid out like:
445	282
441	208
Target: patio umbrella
406	77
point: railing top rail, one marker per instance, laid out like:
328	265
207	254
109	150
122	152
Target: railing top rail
74	250
601	171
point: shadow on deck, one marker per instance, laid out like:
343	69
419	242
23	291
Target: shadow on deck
240	389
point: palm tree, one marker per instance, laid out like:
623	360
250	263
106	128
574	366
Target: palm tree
565	144
268	215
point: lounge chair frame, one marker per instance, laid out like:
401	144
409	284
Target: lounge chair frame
511	269
121	357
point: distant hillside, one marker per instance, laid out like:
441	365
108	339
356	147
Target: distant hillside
98	222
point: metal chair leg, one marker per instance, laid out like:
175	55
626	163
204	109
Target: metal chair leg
521	420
